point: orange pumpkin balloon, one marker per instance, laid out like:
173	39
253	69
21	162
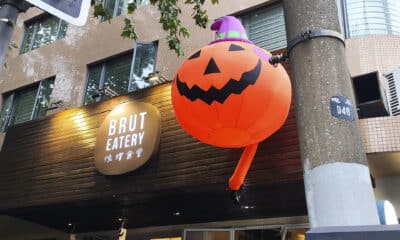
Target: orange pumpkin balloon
227	94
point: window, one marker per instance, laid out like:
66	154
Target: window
43	31
207	234
266	27
286	232
112	75
368	94
118	75
393	91
120	7
26	104
144	64
364	17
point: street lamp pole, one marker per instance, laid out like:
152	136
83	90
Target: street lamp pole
9	10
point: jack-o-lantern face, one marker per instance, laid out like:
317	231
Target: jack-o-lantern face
231	86
228	95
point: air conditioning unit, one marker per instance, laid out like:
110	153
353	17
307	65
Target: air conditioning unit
393	93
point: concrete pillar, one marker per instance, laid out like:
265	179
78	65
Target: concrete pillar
336	176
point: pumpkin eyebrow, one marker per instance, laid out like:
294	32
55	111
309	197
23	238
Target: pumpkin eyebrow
195	55
234	47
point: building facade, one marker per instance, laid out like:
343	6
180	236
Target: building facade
62	81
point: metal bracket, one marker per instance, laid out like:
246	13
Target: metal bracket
310	34
305	36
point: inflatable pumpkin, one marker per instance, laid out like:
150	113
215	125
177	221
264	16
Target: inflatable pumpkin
227	94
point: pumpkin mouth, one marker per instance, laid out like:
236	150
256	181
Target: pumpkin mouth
220	95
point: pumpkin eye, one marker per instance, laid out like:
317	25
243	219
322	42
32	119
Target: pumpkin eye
211	67
195	55
234	47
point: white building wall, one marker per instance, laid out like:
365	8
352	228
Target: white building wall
387	188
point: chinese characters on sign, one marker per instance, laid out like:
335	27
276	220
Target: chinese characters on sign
127	138
342	108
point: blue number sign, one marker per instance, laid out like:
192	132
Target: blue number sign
342	108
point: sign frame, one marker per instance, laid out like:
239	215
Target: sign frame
78	20
127	138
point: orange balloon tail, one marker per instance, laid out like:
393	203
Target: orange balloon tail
238	176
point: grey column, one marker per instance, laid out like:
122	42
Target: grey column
9	10
336	176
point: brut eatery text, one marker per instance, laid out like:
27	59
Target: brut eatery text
126	132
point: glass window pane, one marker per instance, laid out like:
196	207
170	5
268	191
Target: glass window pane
207	235
109	6
43	31
144	64
123	5
258	234
24	102
372	17
218	235
29	31
5	111
266	27
92	94
43	98
63	29
116	79
47	32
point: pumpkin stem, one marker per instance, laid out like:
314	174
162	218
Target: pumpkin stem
238	176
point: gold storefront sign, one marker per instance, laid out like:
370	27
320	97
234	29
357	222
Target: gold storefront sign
127	138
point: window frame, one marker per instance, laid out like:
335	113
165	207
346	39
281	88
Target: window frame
232	230
115	10
246	16
34	113
135	47
35	23
8	118
101	82
103	63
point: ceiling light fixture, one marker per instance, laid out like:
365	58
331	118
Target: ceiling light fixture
177	213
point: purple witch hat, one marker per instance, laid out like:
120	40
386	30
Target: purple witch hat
229	29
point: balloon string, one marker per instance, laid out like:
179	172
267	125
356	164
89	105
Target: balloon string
238	176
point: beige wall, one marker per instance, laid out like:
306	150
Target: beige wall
371	53
366	54
67	58
381	134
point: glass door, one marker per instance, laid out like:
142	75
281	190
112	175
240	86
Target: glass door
207	234
271	232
